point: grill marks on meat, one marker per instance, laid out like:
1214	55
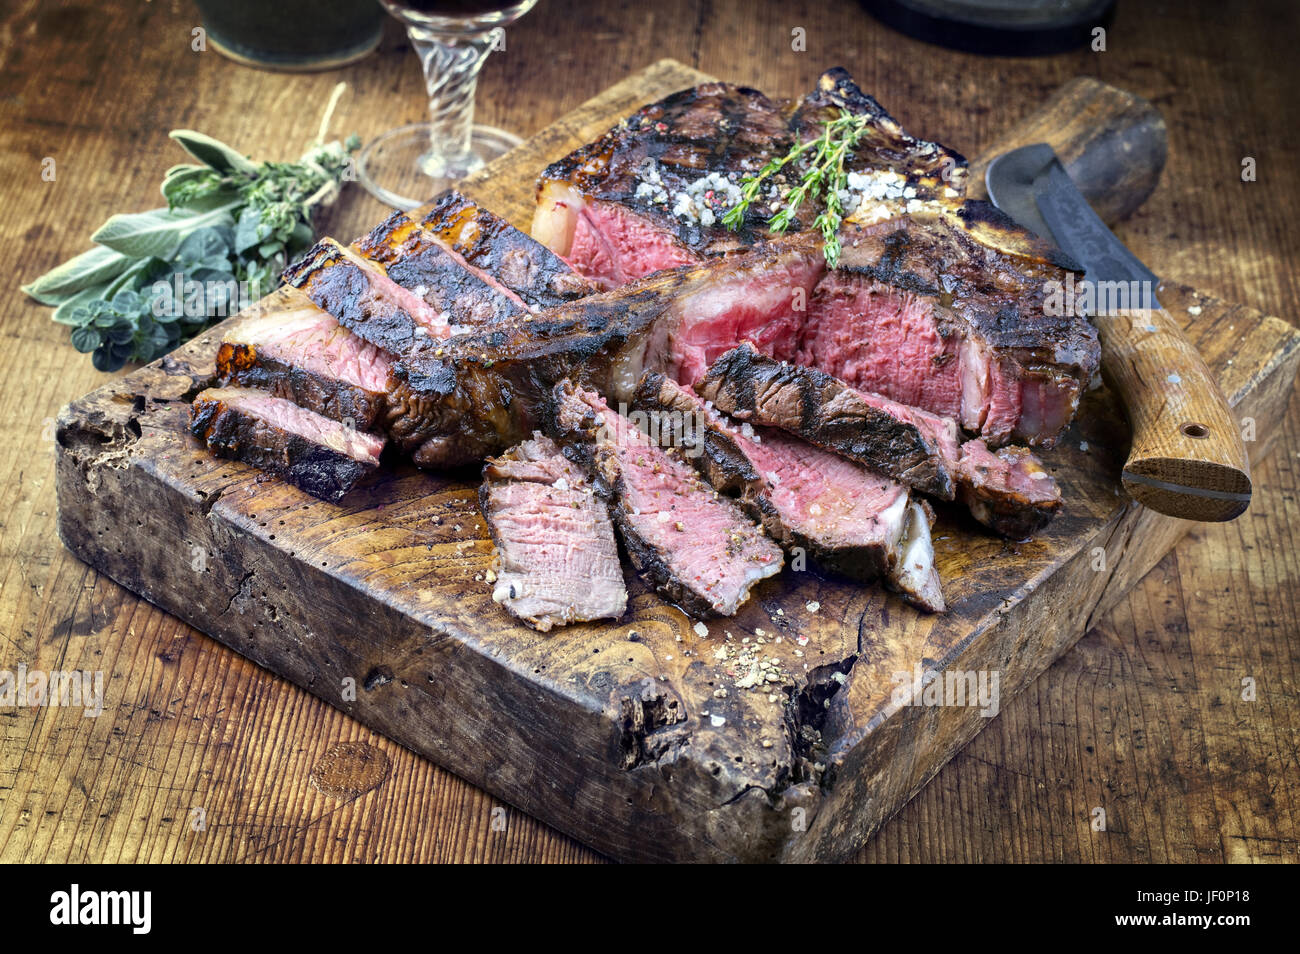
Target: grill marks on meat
423	264
304	356
691	543
610	207
556	558
825	412
847	517
1007	490
318	455
363	299
495	248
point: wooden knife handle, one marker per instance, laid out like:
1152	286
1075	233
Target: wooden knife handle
1111	142
1187	458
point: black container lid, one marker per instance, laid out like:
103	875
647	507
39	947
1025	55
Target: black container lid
997	27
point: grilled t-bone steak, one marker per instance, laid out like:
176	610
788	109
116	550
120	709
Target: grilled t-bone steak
694	545
305	356
481	392
651	192
319	455
844	515
1009	492
556	558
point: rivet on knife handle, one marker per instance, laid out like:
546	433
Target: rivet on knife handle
1187	458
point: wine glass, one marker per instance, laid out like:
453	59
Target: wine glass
408	165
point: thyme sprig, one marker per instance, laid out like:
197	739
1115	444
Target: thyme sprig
824	177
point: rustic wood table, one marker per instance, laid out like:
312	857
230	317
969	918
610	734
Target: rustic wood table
202	756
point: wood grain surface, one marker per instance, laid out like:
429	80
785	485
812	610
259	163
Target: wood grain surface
1144	718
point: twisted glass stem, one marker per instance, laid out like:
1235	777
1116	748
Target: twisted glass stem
451	65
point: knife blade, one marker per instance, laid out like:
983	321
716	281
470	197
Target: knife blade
1187	458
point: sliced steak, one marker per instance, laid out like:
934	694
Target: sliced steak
651	192
363	299
826	412
1007	490
493	247
844	515
420	262
317	454
486	391
556	558
949	309
694	545
305	356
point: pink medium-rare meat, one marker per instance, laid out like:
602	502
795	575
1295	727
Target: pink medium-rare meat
556	558
305	356
842	514
691	543
824	411
947	308
613	246
754	302
883	340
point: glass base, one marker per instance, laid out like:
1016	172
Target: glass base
390	167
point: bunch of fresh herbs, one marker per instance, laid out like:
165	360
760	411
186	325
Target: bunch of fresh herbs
155	279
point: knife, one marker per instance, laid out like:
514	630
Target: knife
1187	458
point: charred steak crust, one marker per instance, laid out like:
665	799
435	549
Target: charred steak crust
734	130
247	366
417	261
230	432
521	263
343	288
587	442
825	412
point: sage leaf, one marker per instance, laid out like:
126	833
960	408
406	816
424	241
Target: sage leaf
87	270
64	314
156	233
213	152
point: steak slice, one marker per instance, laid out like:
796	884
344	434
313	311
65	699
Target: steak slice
846	516
694	545
650	193
303	355
493	247
422	263
826	412
949	309
1007	490
363	299
317	454
556	559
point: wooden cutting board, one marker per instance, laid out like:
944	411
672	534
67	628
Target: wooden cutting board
633	737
